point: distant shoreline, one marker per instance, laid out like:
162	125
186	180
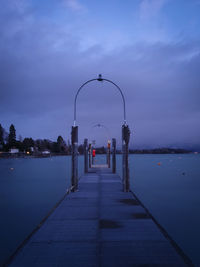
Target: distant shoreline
161	151
8	155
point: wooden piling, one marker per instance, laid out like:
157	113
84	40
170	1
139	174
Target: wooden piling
125	166
114	155
108	154
74	141
86	155
89	154
92	156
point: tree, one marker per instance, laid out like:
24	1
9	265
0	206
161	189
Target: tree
12	136
20	138
44	144
2	132
1	135
61	144
81	149
28	143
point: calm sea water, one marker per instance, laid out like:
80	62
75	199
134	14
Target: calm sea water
29	188
169	186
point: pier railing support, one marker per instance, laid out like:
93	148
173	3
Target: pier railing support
90	154
74	141
108	154
125	167
114	155
86	155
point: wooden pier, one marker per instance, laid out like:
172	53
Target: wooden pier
100	225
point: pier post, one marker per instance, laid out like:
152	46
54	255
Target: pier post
92	156
108	155
86	155
125	167
114	155
89	151
74	141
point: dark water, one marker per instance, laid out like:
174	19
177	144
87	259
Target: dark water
29	189
171	191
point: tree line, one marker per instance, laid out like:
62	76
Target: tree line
9	141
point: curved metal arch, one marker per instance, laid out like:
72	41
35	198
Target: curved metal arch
100	125
104	127
100	79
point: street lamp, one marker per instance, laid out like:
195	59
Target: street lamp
100	79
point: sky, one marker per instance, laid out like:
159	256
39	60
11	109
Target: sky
149	48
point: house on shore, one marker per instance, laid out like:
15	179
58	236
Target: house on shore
14	150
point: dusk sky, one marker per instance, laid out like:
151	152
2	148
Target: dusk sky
150	48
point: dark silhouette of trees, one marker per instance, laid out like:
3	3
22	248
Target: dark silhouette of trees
1	137
81	149
27	144
36	147
100	150
43	144
61	144
12	136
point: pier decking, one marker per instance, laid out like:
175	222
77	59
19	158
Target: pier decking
99	225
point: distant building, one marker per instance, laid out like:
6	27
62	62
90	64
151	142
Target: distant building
14	150
46	152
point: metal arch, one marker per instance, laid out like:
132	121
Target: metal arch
100	125
124	103
103	126
100	79
77	96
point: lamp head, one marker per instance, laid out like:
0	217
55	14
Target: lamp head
100	79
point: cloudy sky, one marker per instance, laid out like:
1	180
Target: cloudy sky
150	48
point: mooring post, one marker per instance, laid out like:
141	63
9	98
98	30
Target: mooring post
114	155
89	152
92	155
86	155
108	154
74	175
125	167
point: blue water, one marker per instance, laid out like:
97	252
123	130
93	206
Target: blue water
29	188
171	192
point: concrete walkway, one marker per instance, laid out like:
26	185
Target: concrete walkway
98	226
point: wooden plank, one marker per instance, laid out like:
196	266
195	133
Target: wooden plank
99	225
98	166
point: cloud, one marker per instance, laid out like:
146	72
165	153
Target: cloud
74	5
43	64
15	5
161	91
152	24
150	8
